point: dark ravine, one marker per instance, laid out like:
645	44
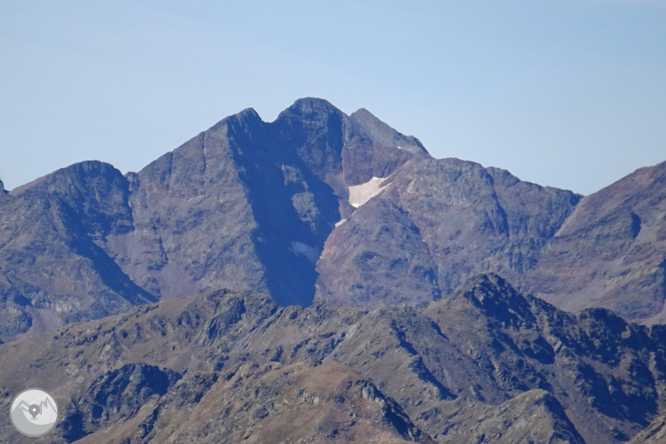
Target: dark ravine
486	364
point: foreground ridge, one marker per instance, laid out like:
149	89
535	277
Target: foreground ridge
487	363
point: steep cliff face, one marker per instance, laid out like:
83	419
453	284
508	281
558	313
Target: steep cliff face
487	364
249	204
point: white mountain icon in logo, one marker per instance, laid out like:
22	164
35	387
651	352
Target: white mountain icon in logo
34	412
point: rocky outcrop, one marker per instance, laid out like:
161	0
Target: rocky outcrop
531	417
654	434
114	397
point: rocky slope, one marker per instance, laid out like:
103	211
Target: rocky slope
437	222
52	270
487	365
611	252
654	434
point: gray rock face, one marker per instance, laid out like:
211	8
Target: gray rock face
377	256
460	219
247	204
654	434
113	397
606	250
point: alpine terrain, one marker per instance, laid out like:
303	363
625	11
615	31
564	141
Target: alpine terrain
322	278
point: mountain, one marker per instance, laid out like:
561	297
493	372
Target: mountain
244	205
52	268
322	278
435	223
487	364
611	251
319	206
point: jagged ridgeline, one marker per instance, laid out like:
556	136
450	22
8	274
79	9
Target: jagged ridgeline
318	205
487	364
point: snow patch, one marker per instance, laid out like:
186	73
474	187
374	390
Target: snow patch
340	222
360	194
301	249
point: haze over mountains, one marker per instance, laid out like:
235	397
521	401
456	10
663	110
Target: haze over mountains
362	294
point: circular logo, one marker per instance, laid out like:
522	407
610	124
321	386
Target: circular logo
34	412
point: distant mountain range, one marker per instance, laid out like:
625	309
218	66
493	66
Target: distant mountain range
318	205
322	278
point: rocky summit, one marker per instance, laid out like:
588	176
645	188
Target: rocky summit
322	278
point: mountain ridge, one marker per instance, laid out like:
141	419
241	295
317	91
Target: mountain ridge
488	363
266	206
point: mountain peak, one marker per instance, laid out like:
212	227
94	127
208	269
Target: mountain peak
631	193
495	298
249	113
485	286
487	279
247	118
384	134
63	177
308	108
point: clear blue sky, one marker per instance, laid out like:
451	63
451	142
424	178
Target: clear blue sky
567	93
